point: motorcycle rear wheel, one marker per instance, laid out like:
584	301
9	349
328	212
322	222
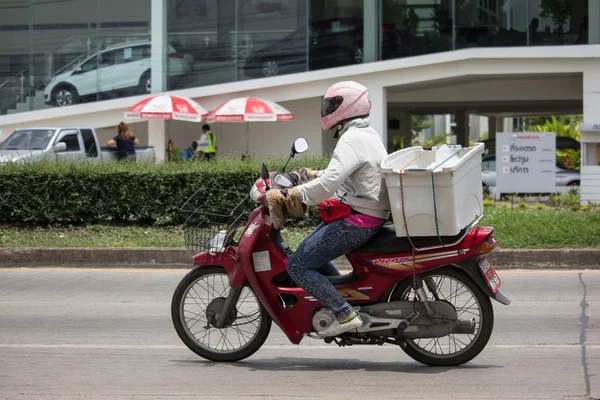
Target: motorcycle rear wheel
477	306
201	294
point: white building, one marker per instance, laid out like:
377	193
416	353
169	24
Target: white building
483	62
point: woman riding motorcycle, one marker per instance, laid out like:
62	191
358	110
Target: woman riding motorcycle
351	195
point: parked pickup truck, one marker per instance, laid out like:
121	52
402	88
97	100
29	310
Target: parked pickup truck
61	143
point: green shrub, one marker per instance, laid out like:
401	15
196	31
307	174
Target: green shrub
522	204
487	192
488	203
570	201
564	127
554	200
591	207
145	193
540	206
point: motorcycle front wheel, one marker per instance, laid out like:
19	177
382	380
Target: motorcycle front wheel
452	285
199	298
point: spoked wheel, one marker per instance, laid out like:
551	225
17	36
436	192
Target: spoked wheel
456	287
199	299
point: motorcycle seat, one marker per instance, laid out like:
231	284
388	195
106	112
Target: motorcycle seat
284	279
386	242
342	279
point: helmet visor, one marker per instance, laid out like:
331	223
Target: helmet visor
330	105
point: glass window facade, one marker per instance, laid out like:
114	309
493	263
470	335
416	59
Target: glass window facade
61	52
229	40
426	26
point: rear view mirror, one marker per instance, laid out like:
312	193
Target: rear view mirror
60	147
300	146
265	172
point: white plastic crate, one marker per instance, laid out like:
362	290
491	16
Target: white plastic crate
457	184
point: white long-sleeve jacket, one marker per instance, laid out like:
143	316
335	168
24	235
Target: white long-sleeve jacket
353	175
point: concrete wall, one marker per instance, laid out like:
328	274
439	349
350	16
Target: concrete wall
109	120
590	173
139	129
493	88
478	126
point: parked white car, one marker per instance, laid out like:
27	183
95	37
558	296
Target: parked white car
121	68
61	143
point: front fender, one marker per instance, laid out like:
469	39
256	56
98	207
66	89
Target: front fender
234	269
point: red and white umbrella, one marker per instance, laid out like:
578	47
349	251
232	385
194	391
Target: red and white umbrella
249	109
167	107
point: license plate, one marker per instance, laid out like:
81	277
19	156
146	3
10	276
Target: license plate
489	274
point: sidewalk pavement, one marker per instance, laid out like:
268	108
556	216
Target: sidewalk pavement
182	258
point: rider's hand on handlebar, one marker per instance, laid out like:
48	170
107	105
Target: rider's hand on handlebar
306	175
282	204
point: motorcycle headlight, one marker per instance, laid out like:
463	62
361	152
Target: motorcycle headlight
255	193
282	181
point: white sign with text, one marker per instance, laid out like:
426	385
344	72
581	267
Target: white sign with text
526	162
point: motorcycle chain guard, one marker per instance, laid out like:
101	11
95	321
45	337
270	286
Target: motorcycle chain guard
385	319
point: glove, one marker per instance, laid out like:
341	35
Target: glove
305	175
283	204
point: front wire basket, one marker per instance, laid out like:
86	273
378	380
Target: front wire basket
212	219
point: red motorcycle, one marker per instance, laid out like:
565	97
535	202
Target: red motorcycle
431	297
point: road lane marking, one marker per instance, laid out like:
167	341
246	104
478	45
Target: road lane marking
265	347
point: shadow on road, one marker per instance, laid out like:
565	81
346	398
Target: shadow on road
335	364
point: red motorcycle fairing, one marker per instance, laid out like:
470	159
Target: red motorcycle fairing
259	259
240	267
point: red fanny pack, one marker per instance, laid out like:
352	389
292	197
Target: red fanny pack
332	210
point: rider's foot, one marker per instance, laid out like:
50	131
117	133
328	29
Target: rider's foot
338	327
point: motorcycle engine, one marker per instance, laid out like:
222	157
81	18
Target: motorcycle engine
322	319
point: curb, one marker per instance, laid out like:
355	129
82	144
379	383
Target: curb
182	258
127	257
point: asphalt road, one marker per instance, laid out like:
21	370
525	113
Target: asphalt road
104	334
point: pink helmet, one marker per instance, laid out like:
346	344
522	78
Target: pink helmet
344	101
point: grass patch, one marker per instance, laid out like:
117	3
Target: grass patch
109	236
91	236
544	229
517	228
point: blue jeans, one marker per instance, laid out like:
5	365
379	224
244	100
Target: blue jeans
309	264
